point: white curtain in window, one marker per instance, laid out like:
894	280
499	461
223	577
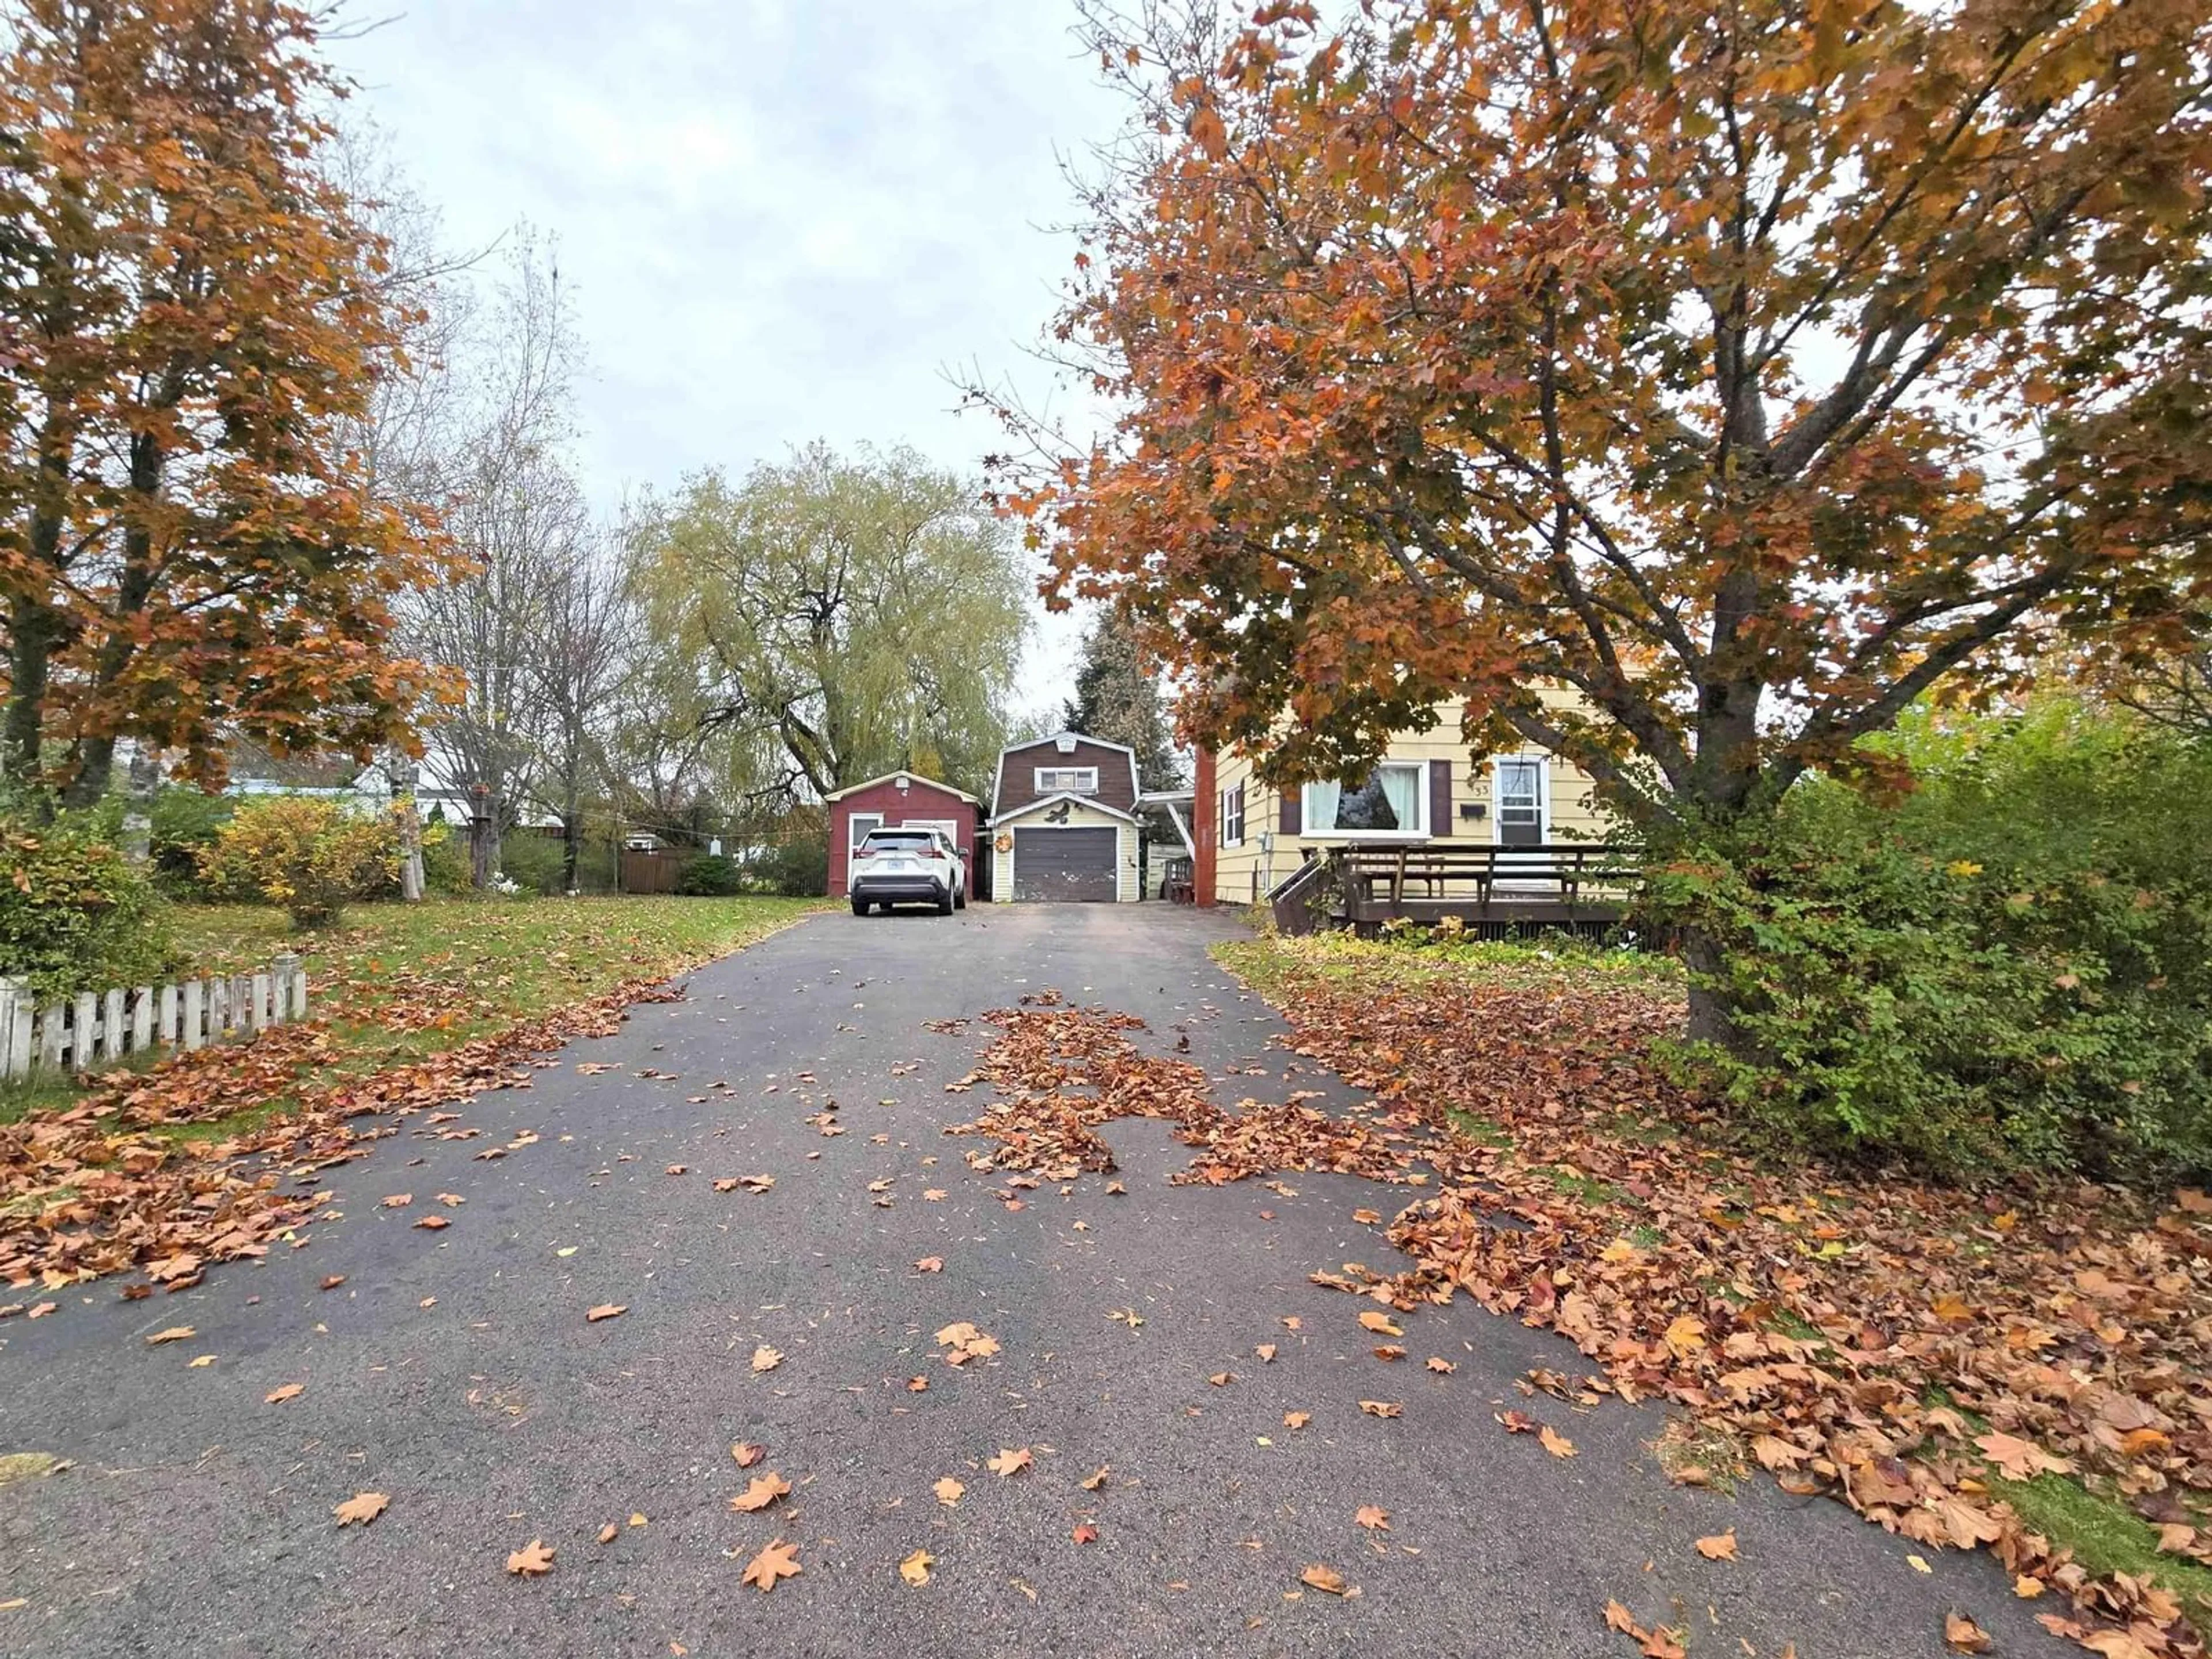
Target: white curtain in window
1320	805
1401	788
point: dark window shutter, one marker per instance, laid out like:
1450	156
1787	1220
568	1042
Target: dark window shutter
1286	811
1440	800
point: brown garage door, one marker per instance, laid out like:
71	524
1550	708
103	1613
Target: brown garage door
1066	865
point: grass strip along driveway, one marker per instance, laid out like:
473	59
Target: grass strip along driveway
412	1006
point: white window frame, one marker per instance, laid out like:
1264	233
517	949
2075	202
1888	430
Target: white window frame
1085	779
854	834
1507	860
1232	829
1542	762
1420	831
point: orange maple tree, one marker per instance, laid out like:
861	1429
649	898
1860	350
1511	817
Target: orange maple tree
1749	370
192	314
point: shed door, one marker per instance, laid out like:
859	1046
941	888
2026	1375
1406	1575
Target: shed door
856	832
1069	864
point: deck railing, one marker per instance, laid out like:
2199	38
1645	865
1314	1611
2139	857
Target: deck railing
1419	879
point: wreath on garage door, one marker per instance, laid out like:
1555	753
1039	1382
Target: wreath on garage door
1005	842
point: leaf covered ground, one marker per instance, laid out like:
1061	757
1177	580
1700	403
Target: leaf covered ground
412	1007
2020	1368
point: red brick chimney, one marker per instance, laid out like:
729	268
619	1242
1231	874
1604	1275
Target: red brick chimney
1205	825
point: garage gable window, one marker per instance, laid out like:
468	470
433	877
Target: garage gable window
1232	816
1067	779
1388	801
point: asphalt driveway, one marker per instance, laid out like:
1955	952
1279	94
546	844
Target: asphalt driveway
454	1371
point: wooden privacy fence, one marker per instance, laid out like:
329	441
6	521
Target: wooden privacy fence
76	1032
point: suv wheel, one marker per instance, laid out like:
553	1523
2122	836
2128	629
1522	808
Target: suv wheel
859	907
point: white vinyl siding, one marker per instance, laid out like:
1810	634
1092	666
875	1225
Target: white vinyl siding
1242	873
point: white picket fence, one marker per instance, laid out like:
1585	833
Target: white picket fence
79	1032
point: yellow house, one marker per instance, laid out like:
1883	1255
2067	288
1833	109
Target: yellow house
1427	790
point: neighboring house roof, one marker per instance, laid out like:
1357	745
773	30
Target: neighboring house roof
888	777
1089	803
253	763
1064	740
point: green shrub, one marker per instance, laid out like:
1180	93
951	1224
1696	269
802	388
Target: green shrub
2012	967
709	875
75	916
798	868
185	821
308	853
532	861
444	860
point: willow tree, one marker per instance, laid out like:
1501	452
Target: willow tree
839	618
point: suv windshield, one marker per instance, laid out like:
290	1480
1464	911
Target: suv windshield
899	841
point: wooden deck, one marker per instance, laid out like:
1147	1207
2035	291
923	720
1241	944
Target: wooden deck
1493	891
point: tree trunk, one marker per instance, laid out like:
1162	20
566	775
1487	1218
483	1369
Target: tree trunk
1711	1009
572	842
95	770
145	778
96	754
411	884
484	840
33	632
401	772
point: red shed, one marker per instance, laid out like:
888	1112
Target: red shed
894	799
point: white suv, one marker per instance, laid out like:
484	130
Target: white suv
908	864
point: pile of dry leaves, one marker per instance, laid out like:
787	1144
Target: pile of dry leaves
1059	1072
96	1190
1908	1349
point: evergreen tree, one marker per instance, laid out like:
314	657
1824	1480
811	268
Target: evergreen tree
1117	699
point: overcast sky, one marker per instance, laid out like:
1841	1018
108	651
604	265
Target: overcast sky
780	219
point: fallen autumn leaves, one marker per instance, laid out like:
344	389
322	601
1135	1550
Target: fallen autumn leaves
1857	1335
81	1196
1659	1309
1854	1335
778	1560
1059	1072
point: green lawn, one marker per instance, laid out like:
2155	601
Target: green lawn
396	982
1276	960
